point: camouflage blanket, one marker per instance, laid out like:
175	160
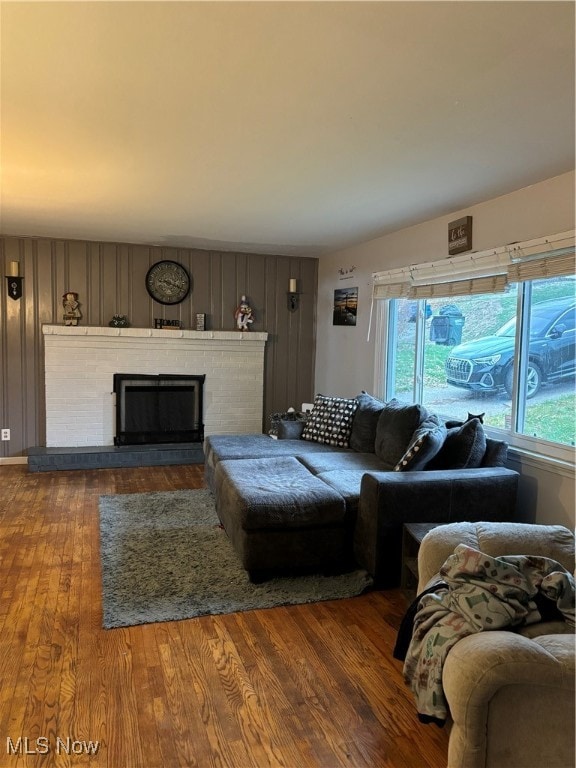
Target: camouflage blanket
476	593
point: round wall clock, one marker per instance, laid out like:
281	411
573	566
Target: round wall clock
168	282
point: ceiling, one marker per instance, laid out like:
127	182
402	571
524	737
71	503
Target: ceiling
292	128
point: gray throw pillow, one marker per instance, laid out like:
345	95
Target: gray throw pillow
396	425
365	423
290	430
464	447
426	442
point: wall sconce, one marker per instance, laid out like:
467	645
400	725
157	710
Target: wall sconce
14	280
293	295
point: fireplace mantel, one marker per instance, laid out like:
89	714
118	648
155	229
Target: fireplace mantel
152	333
80	362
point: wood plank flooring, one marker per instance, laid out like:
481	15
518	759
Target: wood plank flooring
311	686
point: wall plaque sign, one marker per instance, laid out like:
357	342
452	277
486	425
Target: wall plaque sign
460	235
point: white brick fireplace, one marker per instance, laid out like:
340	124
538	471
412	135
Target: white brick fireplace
80	363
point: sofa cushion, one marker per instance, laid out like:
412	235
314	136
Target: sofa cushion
426	442
365	423
225	447
330	421
464	447
276	494
396	425
341	461
347	483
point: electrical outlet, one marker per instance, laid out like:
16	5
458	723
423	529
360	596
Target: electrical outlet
5	434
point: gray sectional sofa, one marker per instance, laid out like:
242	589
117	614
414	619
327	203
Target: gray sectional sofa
334	493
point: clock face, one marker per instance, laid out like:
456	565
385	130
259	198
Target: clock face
168	282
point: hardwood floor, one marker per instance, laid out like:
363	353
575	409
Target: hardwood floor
311	685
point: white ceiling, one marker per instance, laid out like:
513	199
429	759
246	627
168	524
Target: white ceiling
290	127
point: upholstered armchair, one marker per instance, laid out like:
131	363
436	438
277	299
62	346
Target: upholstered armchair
510	693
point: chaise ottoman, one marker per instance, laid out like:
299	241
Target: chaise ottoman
280	517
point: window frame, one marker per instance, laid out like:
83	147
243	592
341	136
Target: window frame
385	339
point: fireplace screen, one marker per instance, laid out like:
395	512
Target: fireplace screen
166	408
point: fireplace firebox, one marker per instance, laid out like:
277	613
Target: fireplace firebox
163	408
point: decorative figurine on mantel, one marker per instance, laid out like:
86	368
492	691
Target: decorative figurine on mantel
244	315
71	308
119	321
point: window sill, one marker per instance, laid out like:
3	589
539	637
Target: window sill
547	463
542	462
551	457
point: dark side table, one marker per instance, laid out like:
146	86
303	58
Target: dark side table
412	535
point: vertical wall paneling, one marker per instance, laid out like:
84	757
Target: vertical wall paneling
281	356
229	290
109	305
124	298
140	312
77	274
292	335
270	385
29	340
91	302
200	268
4	362
256	287
215	291
46	309
243	286
110	279
307	330
15	356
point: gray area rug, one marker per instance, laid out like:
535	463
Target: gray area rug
165	558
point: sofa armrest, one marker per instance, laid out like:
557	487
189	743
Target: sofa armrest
511	700
390	499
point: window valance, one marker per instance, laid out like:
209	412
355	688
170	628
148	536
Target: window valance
483	272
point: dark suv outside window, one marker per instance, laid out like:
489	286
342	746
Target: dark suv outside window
486	364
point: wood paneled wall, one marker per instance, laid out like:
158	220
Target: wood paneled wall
109	279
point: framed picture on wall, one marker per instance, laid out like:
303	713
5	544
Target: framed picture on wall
345	306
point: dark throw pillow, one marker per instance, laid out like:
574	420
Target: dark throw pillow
365	423
426	442
330	421
396	425
464	447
